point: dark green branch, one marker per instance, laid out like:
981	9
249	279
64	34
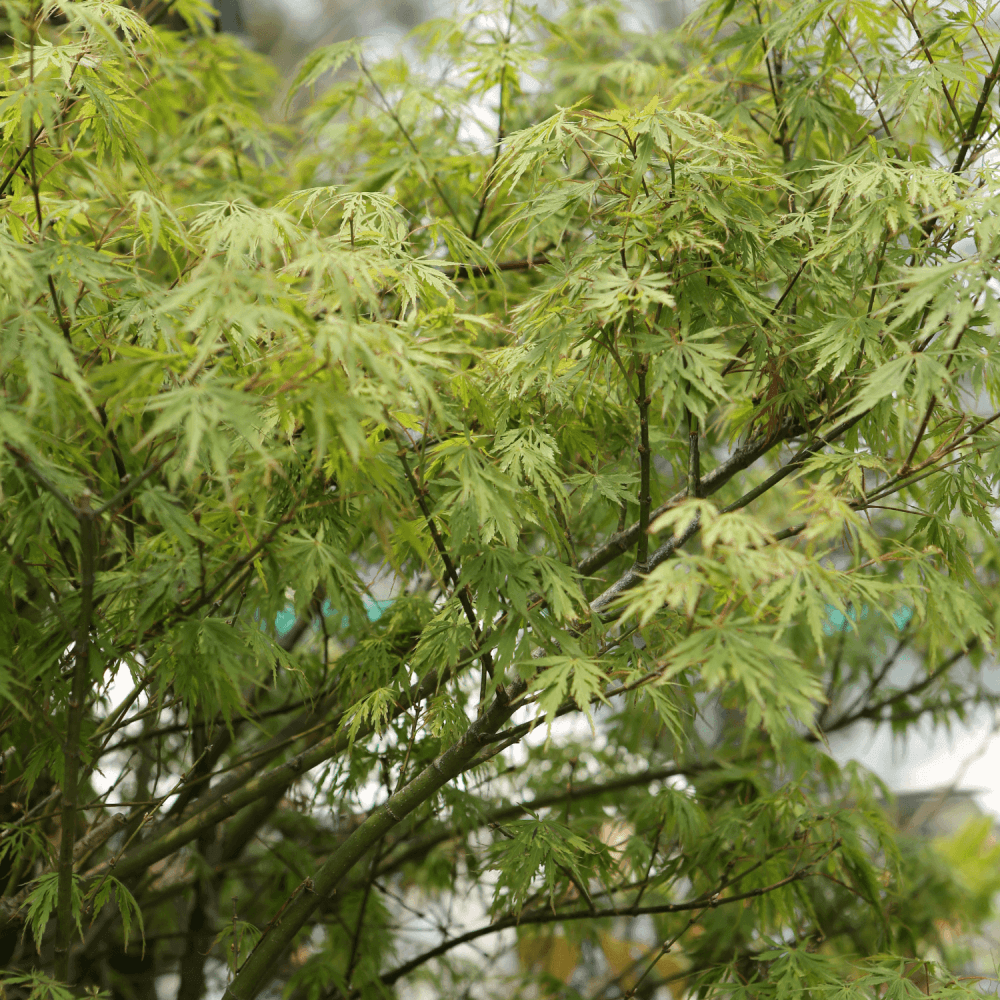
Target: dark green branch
550	916
71	747
256	972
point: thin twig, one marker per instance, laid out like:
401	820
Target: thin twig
548	916
694	457
406	135
498	147
911	17
770	316
462	593
645	458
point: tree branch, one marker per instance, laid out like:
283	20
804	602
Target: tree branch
874	711
770	316
481	270
631	578
71	747
255	973
868	86
406	135
742	458
577	793
645	499
463	594
241	789
488	179
694	457
25	463
549	916
911	17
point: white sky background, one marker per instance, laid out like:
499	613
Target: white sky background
929	758
966	756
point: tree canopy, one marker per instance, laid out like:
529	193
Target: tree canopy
441	525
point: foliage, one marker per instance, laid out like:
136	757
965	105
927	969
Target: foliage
604	416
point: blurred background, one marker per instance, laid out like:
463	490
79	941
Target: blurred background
286	30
